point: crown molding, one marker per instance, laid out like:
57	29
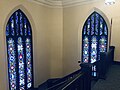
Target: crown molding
49	3
71	3
63	3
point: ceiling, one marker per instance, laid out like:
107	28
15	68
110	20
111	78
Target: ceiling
63	3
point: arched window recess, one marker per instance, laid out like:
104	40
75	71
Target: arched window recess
94	39
19	51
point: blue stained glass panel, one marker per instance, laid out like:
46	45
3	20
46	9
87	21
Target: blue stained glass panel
85	50
92	24
103	44
88	27
21	23
105	30
101	26
84	31
96	23
21	62
93	49
28	62
25	26
16	22
7	30
12	25
29	30
12	64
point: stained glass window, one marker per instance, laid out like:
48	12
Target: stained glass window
93	49
94	39
19	51
86	49
12	63
102	44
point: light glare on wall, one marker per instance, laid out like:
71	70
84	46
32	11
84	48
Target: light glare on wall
109	2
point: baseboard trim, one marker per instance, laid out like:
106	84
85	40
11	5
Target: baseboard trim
116	62
43	84
53	79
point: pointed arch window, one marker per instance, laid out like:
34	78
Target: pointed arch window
19	52
94	39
